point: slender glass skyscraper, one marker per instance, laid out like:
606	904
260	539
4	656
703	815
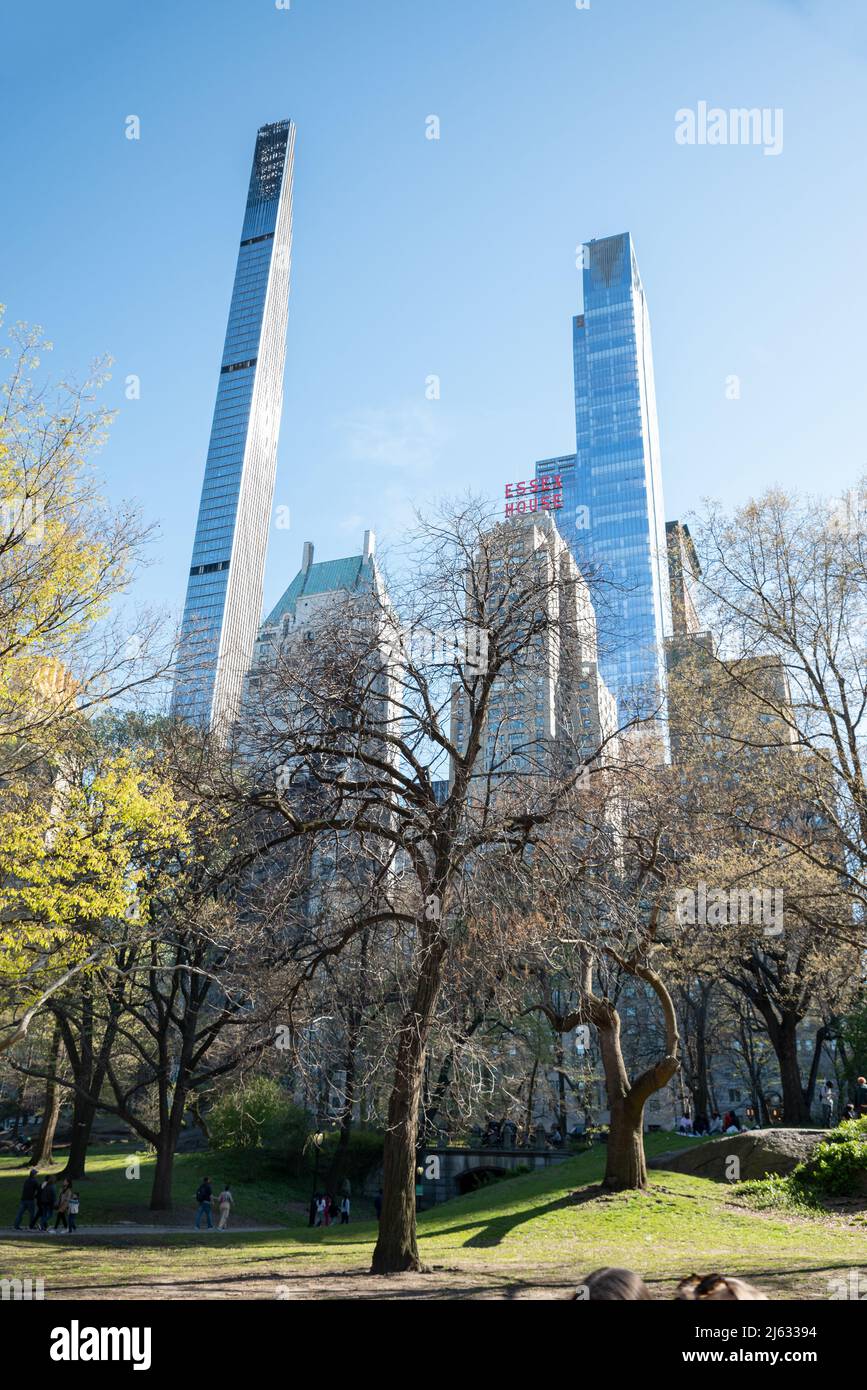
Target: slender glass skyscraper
224	594
613	516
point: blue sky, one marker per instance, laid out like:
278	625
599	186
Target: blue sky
455	257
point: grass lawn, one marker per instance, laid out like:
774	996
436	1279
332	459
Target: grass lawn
529	1237
109	1196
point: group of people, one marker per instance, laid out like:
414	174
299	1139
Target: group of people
497	1135
730	1124
617	1285
851	1110
507	1135
205	1201
41	1201
717	1124
326	1209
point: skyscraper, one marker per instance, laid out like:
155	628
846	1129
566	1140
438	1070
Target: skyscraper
613	517
683	573
552	711
224	592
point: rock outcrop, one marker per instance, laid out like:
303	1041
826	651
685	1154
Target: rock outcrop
760	1151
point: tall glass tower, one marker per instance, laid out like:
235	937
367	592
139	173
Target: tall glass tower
224	592
613	516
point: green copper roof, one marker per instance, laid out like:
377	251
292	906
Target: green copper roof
323	578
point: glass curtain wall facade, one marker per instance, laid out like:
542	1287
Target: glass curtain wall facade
224	592
613	515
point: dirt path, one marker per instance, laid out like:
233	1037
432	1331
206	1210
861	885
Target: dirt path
290	1285
133	1228
445	1283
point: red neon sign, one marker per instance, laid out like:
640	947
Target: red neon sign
535	495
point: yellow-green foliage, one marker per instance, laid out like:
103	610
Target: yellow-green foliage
80	854
73	844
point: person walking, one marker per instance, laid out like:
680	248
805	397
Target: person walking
861	1095
320	1209
828	1106
72	1211
226	1202
62	1219
204	1194
344	1211
29	1194
47	1199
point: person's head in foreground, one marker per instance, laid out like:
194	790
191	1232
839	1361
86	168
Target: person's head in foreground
716	1287
612	1285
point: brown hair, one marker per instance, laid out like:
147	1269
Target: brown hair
718	1288
611	1284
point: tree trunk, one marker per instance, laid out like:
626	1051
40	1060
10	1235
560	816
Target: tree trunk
167	1140
340	1162
782	1028
19	1109
88	1071
161	1192
700	1088
784	1038
531	1096
695	1005
396	1247
625	1165
44	1142
195	1109
83	1113
439	1093
822	1035
560	1062
171	1119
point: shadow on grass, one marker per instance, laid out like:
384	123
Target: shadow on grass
496	1230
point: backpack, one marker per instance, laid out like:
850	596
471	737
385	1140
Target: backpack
73	1206
202	1194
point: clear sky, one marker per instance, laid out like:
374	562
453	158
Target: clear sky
455	257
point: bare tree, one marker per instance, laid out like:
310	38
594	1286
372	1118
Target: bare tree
785	580
350	734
